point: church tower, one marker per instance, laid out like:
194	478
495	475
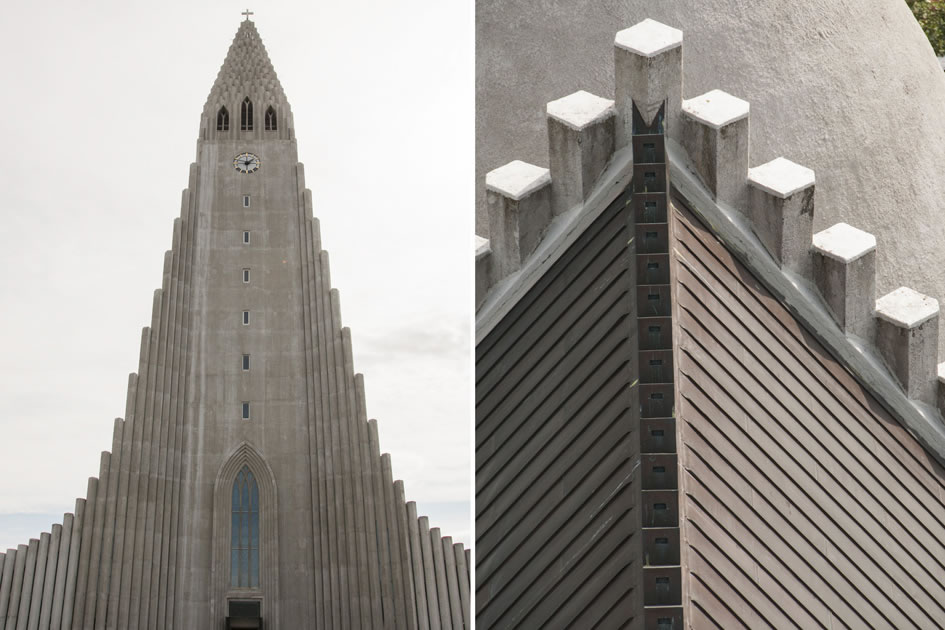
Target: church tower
245	486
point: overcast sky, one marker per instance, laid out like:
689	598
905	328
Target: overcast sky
96	94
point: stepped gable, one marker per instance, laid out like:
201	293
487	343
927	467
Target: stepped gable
776	417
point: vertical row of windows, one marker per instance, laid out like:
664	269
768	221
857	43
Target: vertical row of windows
246	117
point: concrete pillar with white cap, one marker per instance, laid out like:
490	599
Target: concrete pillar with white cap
580	143
844	268
781	211
518	196
907	339
715	135
648	72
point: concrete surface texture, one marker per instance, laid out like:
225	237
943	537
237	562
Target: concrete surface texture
849	88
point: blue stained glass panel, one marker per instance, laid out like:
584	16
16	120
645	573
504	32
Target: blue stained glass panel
244	538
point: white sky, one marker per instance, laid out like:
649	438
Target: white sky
101	108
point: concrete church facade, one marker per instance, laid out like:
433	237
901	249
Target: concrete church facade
245	486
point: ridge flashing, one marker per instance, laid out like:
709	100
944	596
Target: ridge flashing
804	302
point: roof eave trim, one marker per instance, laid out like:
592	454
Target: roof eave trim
805	303
561	234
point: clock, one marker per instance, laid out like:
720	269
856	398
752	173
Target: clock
246	163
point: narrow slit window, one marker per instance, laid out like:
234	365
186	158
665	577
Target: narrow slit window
246	318
246	276
656	469
656	433
245	201
270	119
245	238
649	212
246	363
245	411
223	120
246	115
649	152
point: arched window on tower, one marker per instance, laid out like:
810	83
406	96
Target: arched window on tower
270	119
223	120
244	541
246	115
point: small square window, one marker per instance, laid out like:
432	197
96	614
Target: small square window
246	363
246	275
246	318
245	201
245	238
245	411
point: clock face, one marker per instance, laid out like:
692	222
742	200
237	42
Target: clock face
246	162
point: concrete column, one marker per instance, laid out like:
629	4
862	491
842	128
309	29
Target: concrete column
452	583
39	581
429	573
518	198
439	571
715	134
384	549
462	573
907	339
62	572
580	143
98	529
68	601
49	582
370	515
781	211
844	267
26	594
16	588
410	594
108	533
6	584
416	559
483	269
648	71
398	571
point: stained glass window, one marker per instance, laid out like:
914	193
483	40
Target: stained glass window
244	545
246	115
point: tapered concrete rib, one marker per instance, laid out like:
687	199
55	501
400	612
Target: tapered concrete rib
6	585
108	534
468	554
370	512
439	569
337	527
39	581
384	551
49	582
134	466
452	582
26	594
121	505
72	570
319	416
84	554
364	584
62	572
416	562
462	574
393	524
16	588
403	535
347	464
429	574
98	528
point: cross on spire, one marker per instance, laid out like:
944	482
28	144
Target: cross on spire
247	13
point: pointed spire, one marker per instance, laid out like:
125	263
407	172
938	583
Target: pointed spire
246	70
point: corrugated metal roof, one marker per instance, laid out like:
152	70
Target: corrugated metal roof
804	502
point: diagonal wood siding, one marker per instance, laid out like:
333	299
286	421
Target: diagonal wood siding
804	503
556	446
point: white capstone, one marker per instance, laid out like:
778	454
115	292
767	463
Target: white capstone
906	308
716	108
517	179
844	243
580	109
649	38
781	177
482	247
